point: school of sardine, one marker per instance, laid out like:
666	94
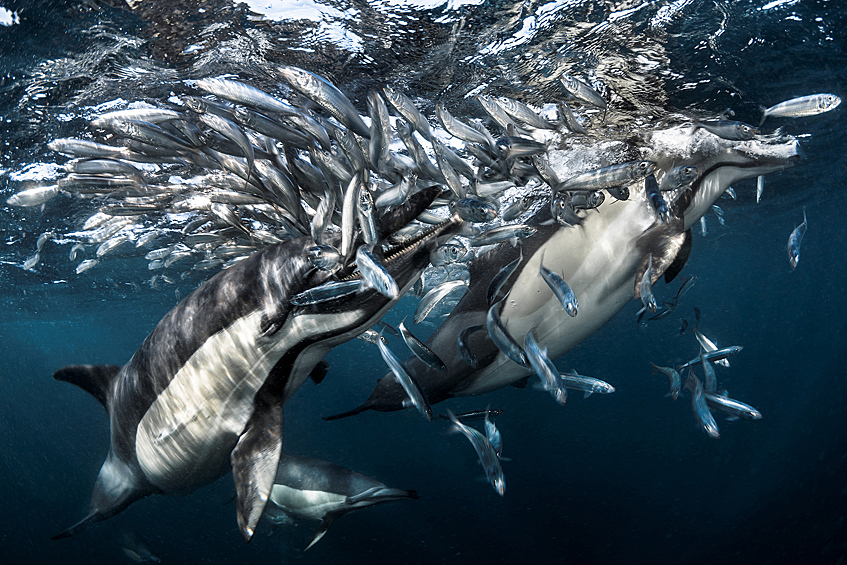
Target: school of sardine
213	177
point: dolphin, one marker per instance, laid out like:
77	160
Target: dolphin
602	259
319	490
204	391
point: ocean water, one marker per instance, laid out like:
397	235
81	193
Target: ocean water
626	477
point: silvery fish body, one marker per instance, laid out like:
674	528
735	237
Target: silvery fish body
728	129
731	406
582	92
673	376
412	389
502	339
246	95
588	385
486	453
803	106
375	275
794	242
492	434
700	407
560	289
608	177
544	368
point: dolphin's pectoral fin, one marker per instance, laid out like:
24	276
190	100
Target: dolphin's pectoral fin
254	462
319	372
662	243
326	522
681	258
96	380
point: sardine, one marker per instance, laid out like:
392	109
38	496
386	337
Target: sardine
85	265
544	367
514	147
485	451
672	375
522	112
588	385
110	244
375	275
567	115
514	210
608	177
492	434
324	257
406	108
33	196
714	355
794	242
498	280
32	261
760	188
731	406
679	176
502	233
463	346
728	129
582	92
475	211
586	199
501	338
326	292
326	95
245	95
434	296
560	289
451	252
463	131
700	407
366	211
420	350
654	195
803	106
152	115
646	287
410	386
710	382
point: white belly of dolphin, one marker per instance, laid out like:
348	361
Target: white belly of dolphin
185	438
600	266
312	504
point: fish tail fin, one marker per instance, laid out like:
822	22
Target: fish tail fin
655	368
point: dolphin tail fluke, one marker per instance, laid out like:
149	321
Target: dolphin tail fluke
93	516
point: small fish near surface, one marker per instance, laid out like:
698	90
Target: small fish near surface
803	106
794	242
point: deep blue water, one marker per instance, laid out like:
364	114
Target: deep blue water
622	478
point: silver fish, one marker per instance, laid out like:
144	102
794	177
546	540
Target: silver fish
32	261
366	211
673	377
326	292
609	177
502	233
794	241
406	108
434	296
85	265
498	280
322	216
700	407
324	257
413	391
77	247
728	129
703	230
516	208
463	346
501	338
419	349
450	252
679	176
485	451
544	367
375	275
110	244
715	355
462	130
710	382
731	406
33	196
525	114
472	210
588	385
760	188
245	95
326	95
560	289
348	215
84	148
567	115
492	434
582	92
152	115
803	106
646	287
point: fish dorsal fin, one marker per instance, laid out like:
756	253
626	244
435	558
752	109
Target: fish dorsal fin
681	258
96	380
255	460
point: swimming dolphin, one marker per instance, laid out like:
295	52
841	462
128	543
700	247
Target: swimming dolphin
205	390
602	259
319	490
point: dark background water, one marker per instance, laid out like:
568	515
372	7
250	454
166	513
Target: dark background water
627	477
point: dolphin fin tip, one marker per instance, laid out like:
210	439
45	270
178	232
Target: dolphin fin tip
353	412
78	527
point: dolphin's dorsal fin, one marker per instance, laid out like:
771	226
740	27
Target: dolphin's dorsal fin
255	460
96	380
